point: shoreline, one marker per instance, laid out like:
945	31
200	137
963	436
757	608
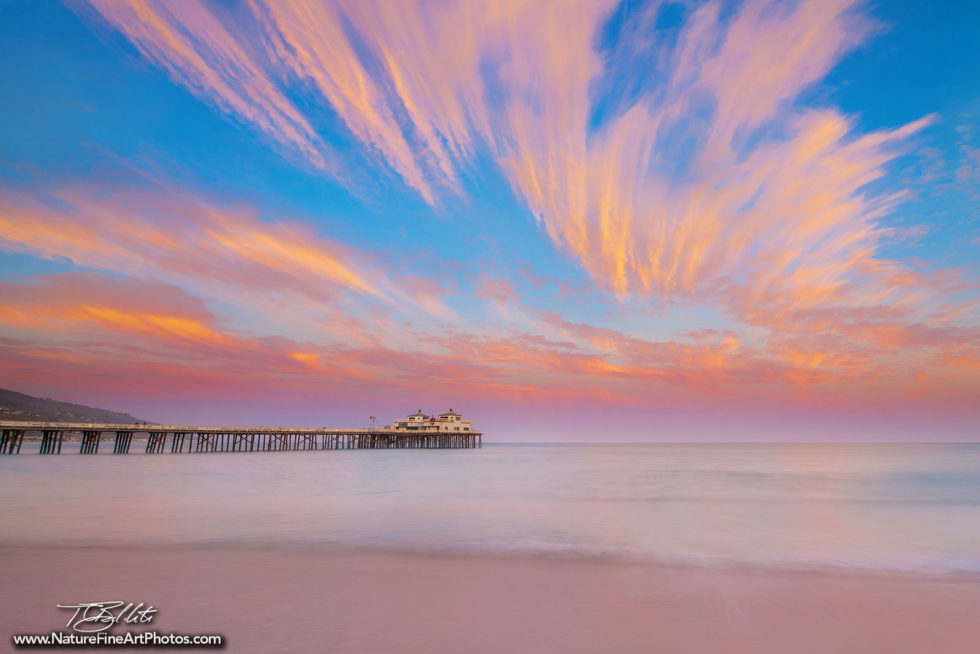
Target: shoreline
344	600
610	558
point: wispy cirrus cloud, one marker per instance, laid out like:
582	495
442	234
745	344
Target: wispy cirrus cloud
118	335
87	319
80	303
93	326
168	233
679	165
707	177
199	50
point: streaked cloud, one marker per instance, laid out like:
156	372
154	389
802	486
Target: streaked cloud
708	178
162	231
678	158
200	51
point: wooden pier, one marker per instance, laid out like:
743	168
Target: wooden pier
172	439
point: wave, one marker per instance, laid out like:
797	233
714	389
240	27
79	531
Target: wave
958	568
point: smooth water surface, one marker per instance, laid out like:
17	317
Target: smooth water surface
812	506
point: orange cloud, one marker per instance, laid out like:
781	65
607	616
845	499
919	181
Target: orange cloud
779	217
79	303
165	233
677	195
103	329
782	217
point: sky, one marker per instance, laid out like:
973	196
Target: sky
585	220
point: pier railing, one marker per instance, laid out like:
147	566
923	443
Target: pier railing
174	438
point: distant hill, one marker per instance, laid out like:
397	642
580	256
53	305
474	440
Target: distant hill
17	406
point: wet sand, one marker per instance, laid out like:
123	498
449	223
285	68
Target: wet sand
306	600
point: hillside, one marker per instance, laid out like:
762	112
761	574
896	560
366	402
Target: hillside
18	406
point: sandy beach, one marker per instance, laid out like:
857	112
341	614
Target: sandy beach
304	600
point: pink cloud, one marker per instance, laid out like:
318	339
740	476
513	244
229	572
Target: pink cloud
788	216
499	289
123	335
785	217
165	232
781	232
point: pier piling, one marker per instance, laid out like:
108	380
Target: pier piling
230	439
123	440
90	442
51	441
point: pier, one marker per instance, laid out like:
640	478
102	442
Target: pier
187	439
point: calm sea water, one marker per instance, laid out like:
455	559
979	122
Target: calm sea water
878	507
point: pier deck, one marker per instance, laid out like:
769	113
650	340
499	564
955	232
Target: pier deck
174	438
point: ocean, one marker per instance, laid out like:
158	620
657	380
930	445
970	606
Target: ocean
853	507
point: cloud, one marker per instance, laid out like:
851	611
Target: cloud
681	167
500	289
709	176
406	80
89	325
165	232
138	311
92	329
199	50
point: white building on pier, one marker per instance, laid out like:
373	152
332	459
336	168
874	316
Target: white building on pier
449	421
